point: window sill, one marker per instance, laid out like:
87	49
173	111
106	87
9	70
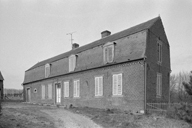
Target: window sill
117	95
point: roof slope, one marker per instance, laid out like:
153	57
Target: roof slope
1	77
132	30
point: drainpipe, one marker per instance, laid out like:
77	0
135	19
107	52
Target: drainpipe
145	83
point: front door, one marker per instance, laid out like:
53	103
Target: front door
28	95
58	92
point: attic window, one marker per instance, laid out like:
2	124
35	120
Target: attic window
108	52
47	70
72	62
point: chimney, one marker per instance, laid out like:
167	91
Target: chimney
75	45
105	33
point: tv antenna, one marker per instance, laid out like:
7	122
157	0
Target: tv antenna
71	34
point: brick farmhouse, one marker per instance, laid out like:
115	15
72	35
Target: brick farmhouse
125	70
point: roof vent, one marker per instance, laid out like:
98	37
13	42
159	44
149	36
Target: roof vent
105	33
75	45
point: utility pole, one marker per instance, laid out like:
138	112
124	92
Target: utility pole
71	34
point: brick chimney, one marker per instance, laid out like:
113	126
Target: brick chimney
75	45
105	33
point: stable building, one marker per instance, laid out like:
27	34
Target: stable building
126	70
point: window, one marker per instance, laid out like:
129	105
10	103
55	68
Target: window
72	63
108	53
76	88
50	91
159	49
43	91
99	86
159	85
47	70
35	90
117	84
66	89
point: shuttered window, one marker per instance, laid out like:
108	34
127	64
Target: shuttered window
108	53
47	70
72	63
43	91
159	51
50	91
66	89
117	84
76	89
99	86
159	85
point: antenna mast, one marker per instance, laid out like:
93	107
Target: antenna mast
71	34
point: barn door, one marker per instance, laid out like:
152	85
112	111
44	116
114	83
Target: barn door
58	92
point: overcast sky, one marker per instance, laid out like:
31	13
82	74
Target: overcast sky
34	30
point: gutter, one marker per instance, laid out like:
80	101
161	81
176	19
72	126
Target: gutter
145	84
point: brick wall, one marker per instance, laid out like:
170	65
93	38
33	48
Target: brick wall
133	88
157	31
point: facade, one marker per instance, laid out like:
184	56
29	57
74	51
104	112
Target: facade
125	70
1	86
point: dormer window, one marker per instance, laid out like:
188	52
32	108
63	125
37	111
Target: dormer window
108	52
72	62
47	70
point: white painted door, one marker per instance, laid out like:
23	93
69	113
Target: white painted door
58	93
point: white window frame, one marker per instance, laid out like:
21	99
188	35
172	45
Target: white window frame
117	89
159	51
159	85
98	86
47	71
66	89
50	90
72	62
76	88
106	47
43	89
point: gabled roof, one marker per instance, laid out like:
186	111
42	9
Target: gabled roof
1	77
130	31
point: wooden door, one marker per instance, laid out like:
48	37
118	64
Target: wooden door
58	93
28	95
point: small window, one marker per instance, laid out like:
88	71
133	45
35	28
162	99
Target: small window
76	89
50	91
108	53
66	89
159	51
72	63
117	84
35	90
43	91
47	70
99	86
159	85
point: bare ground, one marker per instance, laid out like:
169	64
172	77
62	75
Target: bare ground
22	115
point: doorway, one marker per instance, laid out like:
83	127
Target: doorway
58	92
28	98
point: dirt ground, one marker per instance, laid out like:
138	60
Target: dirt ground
22	115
